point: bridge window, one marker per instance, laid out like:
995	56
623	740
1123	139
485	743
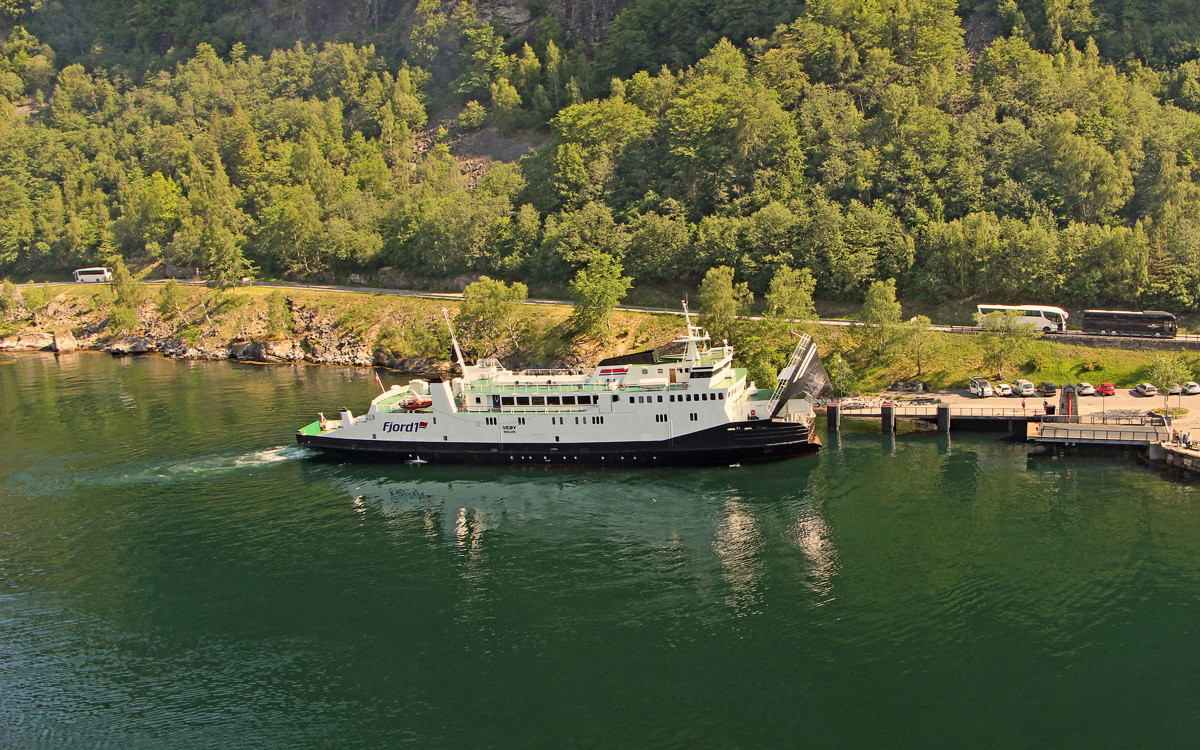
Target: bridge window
552	400
522	401
568	400
506	401
539	400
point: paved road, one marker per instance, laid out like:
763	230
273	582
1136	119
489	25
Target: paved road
458	296
841	322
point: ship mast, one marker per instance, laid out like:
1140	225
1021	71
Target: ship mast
695	335
458	356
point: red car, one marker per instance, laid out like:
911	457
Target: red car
1106	389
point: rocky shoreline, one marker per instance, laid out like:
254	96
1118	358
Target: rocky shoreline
287	351
65	326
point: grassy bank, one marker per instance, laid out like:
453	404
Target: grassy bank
954	358
406	326
402	326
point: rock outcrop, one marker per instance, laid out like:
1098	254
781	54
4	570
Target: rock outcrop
64	341
28	342
267	351
131	345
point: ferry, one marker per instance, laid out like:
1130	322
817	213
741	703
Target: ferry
643	409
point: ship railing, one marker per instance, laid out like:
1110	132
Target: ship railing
508	388
558	373
566	388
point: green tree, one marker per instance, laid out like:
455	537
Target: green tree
488	315
473	116
279	315
1003	339
881	315
722	302
921	339
10	298
596	290
790	296
1167	371
840	374
171	299
127	292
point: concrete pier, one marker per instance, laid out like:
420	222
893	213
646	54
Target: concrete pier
888	414
943	419
833	417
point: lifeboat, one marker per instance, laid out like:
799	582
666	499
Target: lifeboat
412	402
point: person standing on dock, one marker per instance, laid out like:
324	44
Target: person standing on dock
1022	406
1046	406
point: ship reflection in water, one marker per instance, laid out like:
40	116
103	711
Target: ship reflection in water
728	518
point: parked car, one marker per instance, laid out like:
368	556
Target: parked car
1046	388
1003	389
1023	388
1192	388
1085	389
1147	389
1107	389
980	387
1175	389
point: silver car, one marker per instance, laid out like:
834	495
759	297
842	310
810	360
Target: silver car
1085	389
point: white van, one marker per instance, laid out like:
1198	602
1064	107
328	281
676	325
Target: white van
980	387
1023	388
93	275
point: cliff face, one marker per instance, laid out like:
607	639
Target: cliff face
585	20
104	31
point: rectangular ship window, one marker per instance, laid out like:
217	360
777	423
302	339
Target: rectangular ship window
539	400
552	400
522	401
506	401
568	400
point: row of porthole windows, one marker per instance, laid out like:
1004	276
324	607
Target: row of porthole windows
520	420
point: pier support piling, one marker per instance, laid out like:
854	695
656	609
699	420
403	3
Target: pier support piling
833	417
943	419
888	412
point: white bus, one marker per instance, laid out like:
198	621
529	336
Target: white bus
1042	317
93	275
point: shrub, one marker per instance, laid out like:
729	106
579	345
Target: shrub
473	116
10	299
122	320
279	315
191	336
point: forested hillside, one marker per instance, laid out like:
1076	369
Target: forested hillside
1013	149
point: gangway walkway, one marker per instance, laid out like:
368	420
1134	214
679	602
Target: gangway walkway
1096	434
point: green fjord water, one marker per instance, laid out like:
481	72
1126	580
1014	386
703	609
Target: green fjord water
174	573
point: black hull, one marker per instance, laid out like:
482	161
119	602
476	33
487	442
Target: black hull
733	443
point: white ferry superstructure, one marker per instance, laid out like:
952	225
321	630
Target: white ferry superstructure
638	409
